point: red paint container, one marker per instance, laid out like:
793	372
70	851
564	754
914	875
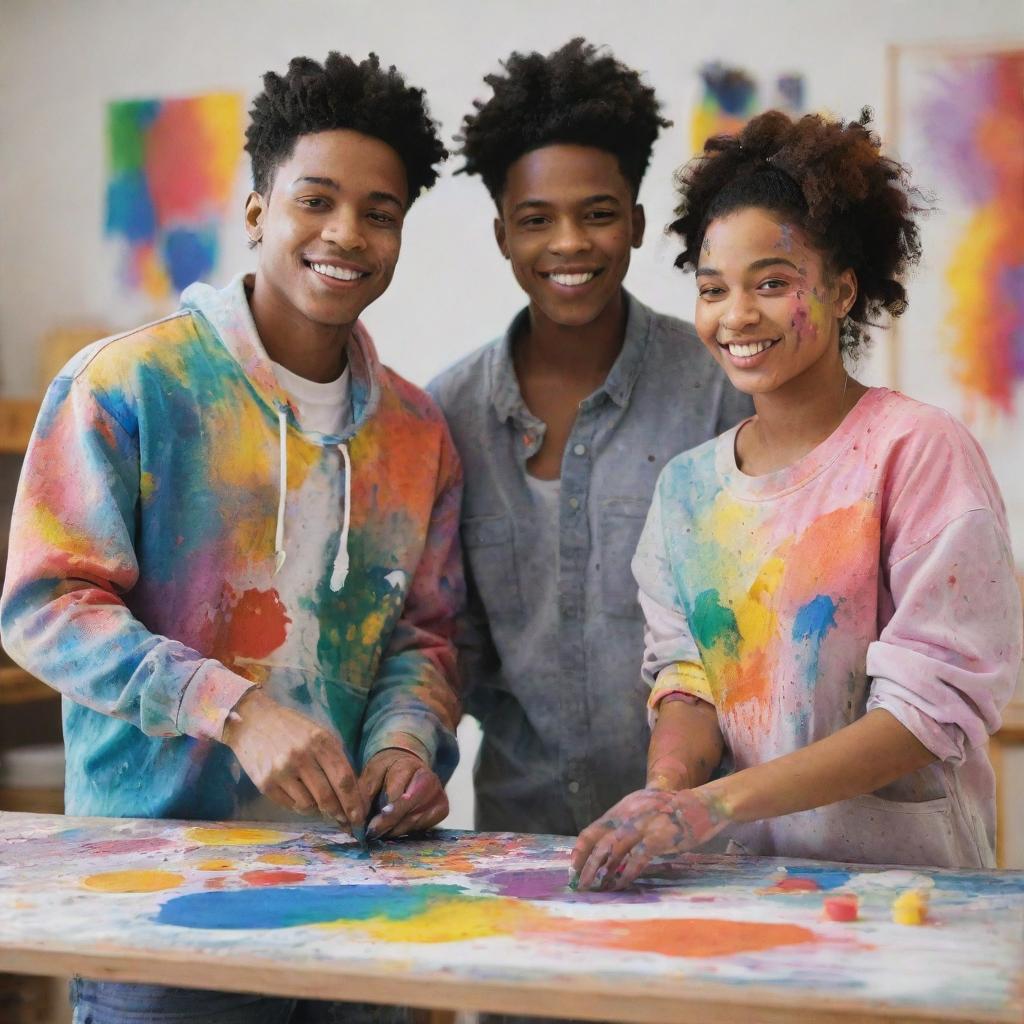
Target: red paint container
843	907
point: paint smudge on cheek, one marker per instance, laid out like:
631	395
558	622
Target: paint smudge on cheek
237	836
133	881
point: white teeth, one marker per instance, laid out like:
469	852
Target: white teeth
572	280
744	351
338	273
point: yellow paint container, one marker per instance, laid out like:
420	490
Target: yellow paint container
910	907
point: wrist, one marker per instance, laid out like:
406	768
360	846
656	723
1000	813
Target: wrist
251	702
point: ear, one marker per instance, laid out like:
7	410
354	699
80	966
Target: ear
255	211
639	226
846	293
499	236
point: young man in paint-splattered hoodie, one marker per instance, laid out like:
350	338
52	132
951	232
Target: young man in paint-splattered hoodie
234	547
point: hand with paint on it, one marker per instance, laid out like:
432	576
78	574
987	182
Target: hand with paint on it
412	795
293	760
613	851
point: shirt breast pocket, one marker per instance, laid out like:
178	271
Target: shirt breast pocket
489	547
621	523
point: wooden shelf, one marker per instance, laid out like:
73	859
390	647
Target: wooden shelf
18	687
17	418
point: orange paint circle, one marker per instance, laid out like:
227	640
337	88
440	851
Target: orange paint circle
133	881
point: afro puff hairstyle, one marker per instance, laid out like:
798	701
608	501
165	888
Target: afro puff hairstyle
573	95
829	177
342	94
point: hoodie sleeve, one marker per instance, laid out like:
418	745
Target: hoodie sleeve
71	563
414	702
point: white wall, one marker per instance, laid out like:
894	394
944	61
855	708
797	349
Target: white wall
62	60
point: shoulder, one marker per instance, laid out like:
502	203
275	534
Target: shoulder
467	381
693	467
409	399
121	356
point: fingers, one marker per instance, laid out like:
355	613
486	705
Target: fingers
587	840
338	773
632	865
417	806
292	795
323	794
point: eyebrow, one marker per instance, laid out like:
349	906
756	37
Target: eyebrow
375	196
589	201
768	261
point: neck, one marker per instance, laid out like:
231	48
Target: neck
584	352
317	352
798	416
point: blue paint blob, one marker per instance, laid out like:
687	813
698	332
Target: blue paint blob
295	905
732	88
189	254
130	213
815	619
827	878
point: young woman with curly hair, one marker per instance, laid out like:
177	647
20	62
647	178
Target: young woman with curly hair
832	620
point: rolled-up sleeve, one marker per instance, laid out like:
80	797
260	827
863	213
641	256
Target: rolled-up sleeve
671	661
947	661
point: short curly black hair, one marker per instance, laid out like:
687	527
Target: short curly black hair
830	177
340	93
577	94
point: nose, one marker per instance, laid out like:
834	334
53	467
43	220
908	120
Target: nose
742	312
569	237
344	229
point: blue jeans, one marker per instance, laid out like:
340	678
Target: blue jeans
110	1002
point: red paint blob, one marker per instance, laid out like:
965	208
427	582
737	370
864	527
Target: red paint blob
795	885
254	626
273	877
842	908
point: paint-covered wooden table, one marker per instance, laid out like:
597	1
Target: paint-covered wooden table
485	921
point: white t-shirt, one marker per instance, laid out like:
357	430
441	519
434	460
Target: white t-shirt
320	408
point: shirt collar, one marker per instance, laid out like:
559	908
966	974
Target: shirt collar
618	385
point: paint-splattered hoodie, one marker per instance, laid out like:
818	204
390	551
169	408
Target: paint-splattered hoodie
875	572
177	538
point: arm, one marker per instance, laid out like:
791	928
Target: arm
72	560
409	747
950	655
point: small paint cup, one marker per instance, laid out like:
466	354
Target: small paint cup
842	907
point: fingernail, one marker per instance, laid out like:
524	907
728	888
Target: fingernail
599	878
574	880
387	808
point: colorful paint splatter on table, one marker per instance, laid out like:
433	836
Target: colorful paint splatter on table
972	114
496	906
171	165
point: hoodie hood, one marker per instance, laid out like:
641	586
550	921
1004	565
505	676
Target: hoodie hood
228	313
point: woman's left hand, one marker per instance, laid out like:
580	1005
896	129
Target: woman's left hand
649	823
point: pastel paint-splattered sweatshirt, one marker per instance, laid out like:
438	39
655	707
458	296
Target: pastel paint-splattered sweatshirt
177	538
875	572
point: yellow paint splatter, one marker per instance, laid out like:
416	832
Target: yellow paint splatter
455	920
281	858
216	864
236	836
133	881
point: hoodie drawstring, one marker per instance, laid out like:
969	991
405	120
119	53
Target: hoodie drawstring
282	487
340	572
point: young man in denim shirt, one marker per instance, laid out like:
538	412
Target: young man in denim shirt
563	425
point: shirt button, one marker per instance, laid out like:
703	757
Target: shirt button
579	449
574	503
574	786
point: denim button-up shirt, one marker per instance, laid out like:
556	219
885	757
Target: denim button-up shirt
564	719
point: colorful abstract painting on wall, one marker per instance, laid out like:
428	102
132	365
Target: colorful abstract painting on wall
730	97
956	118
171	168
973	113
